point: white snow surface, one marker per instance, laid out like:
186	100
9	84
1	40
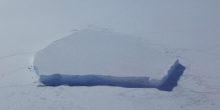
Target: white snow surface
186	29
90	52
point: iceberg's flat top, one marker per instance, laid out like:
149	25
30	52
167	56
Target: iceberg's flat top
90	52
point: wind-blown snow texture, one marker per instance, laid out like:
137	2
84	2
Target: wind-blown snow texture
186	29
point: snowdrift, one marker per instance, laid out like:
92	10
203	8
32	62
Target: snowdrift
91	57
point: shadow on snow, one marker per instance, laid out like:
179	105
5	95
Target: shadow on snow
99	80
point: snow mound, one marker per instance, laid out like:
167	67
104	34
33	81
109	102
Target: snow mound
91	58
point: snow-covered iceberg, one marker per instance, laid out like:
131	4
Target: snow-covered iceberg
91	57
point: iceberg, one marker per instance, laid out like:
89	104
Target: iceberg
91	57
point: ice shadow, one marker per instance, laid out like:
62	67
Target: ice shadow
99	80
173	79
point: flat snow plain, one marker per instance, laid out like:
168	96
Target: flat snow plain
187	30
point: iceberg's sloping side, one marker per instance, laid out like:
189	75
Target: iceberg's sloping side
103	58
